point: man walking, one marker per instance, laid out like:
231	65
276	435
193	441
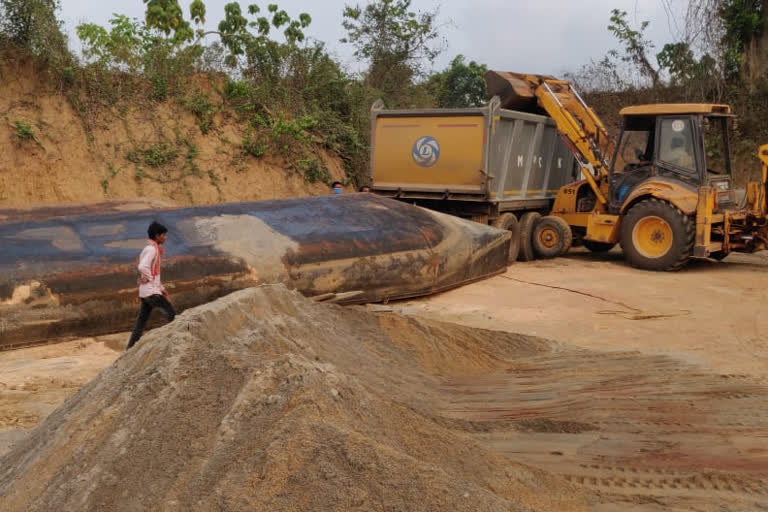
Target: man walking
151	291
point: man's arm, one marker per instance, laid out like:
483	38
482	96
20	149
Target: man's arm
145	263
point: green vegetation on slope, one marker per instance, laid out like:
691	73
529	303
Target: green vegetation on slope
294	100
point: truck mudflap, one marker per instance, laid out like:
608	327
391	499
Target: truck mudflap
75	275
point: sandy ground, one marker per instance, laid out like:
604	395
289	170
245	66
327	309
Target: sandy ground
265	400
710	314
35	381
657	400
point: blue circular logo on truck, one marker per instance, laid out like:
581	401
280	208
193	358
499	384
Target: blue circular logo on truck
426	151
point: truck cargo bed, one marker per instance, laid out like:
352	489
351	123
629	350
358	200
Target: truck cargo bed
505	159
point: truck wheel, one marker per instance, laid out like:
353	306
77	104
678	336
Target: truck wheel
509	222
552	237
657	236
527	224
598	246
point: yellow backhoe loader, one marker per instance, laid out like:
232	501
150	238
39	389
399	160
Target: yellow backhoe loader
664	191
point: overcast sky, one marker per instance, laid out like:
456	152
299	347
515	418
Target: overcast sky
541	36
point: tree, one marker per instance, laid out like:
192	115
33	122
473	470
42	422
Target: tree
33	26
168	17
460	85
396	42
257	46
683	67
165	39
123	46
734	31
636	47
744	40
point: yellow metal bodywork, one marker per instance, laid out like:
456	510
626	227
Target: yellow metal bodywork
704	212
575	219
652	237
756	192
743	229
580	124
663	109
460	161
681	197
582	128
600	227
603	228
565	200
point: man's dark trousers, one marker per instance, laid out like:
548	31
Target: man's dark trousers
147	305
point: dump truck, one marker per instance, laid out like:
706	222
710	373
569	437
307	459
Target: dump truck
489	164
658	190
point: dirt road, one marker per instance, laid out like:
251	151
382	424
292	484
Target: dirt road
710	314
663	408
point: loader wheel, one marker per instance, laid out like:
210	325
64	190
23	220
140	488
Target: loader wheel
552	237
598	246
527	225
657	236
509	222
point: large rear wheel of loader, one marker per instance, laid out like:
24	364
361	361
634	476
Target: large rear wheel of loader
598	246
657	236
509	222
527	225
552	237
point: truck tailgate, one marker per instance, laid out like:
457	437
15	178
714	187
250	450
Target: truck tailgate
430	152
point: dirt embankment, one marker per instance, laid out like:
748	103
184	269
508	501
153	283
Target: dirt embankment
144	149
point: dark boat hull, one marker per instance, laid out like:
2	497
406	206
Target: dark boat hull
75	275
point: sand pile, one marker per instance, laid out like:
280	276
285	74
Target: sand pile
264	400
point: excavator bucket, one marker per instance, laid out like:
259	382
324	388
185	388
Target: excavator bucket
70	271
516	90
579	125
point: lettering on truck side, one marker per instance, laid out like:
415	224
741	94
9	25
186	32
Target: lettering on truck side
538	160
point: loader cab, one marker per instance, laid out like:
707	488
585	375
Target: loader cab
685	145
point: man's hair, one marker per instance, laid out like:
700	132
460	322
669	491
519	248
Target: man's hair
333	185
363	187
156	229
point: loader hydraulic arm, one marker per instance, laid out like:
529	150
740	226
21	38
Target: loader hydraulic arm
578	124
757	193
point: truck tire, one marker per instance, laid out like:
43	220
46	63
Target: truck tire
552	237
657	236
527	224
598	246
508	221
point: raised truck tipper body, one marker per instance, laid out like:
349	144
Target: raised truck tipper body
489	164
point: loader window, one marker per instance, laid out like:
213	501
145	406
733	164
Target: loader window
676	143
634	150
716	145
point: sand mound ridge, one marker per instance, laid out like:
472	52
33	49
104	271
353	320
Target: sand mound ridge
264	400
